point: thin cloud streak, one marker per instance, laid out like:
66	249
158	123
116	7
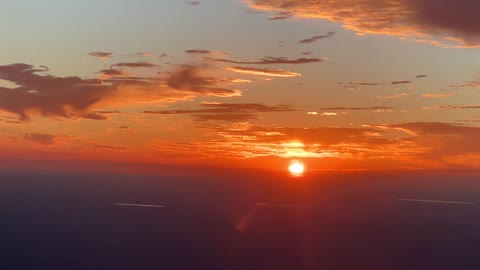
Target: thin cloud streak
264	72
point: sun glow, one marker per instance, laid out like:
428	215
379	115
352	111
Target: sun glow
296	168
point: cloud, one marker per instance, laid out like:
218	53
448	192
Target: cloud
198	51
357	108
108	73
72	97
400	95
145	54
401	82
452	107
135	65
323	114
437	95
47	95
231	112
264	72
45	139
281	16
186	78
449	23
110	147
475	83
421	76
316	38
193	3
269	61
101	55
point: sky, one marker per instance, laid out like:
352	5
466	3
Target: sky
334	84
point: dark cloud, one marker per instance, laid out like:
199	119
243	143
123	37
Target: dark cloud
198	51
135	65
73	97
187	78
227	111
101	55
110	147
269	61
47	95
107	73
441	22
264	72
281	16
45	139
193	3
401	82
421	76
316	38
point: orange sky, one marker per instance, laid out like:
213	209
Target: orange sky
257	83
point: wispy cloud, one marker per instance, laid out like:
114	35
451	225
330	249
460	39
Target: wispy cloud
401	82
101	55
198	51
437	95
316	38
264	72
45	139
135	64
269	61
396	96
231	112
357	108
281	16
449	107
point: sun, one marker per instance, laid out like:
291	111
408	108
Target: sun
296	168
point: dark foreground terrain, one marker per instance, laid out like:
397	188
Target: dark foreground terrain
249	221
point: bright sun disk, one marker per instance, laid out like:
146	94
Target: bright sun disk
296	168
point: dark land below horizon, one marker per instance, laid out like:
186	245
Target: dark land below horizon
61	220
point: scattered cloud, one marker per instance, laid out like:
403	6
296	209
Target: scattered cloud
108	73
101	55
135	65
281	16
401	82
399	95
316	38
357	108
73	97
437	95
198	51
186	78
269	61
444	23
452	107
264	72
45	139
421	76
194	3
232	112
